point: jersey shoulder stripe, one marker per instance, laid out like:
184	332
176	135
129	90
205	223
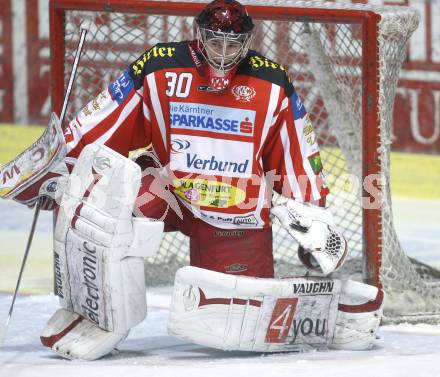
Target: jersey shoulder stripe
160	56
257	65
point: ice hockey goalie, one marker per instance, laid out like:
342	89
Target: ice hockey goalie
225	128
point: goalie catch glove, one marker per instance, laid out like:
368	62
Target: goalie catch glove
321	246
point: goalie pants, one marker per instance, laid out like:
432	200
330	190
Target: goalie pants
233	251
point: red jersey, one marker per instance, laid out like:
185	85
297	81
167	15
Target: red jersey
226	151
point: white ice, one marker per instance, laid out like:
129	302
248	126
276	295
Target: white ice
401	351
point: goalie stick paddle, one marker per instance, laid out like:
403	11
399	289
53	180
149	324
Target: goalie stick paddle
4	327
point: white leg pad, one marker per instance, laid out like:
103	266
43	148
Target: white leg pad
250	314
99	254
99	248
359	315
272	315
74	337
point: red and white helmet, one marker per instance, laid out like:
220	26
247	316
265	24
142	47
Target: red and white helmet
224	34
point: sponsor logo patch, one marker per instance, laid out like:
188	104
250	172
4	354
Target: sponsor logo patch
236	268
294	322
58	281
120	89
297	106
194	57
52	186
257	62
207	193
308	131
217	119
314	329
241	221
246	127
243	93
281	321
8	175
179	145
219	83
250	220
90	272
206	88
314	287
315	162
154	53
216	217
229	233
210	156
97	103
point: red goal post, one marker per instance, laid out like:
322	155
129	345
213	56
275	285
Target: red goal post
362	36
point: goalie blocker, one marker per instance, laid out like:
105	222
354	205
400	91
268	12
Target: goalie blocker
271	315
38	171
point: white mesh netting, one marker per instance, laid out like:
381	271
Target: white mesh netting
324	60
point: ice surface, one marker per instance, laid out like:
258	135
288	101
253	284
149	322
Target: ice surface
404	350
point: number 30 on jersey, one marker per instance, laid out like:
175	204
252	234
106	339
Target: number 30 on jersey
178	85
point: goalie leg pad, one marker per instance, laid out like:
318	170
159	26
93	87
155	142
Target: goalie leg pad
99	248
253	314
266	315
359	315
74	337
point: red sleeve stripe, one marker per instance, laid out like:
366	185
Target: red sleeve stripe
157	108
290	170
125	113
268	122
284	105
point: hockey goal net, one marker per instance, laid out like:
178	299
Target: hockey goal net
344	60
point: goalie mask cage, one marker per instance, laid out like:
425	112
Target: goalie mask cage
344	60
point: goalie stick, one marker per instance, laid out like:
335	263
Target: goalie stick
4	327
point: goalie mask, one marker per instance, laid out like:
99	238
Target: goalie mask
224	33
